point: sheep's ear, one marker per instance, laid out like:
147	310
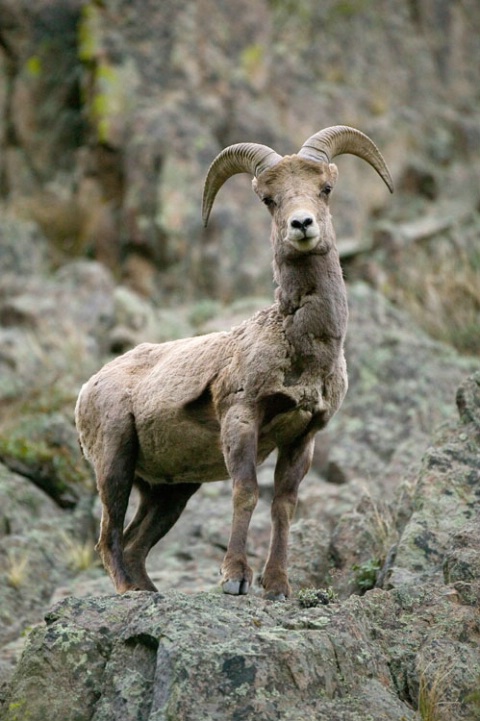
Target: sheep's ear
333	173
254	184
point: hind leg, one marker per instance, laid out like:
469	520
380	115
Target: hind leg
115	473
158	510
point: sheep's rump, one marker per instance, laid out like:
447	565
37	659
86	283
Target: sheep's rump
165	390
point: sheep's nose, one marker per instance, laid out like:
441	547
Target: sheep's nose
301	222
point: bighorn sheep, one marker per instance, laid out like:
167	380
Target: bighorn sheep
169	417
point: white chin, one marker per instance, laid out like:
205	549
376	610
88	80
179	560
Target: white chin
304	245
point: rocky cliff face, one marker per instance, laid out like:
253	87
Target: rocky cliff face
110	113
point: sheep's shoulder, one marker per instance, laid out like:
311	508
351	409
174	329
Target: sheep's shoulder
258	356
179	371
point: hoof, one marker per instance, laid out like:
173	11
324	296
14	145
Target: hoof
275	586
236	588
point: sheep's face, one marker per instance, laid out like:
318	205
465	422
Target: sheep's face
296	192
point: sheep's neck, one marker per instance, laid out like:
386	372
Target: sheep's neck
312	299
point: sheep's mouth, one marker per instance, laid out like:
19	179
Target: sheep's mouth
305	241
306	234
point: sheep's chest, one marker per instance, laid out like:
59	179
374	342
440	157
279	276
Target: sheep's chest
288	414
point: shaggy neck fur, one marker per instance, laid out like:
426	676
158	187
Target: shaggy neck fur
312	299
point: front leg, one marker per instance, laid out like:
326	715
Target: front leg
239	438
292	464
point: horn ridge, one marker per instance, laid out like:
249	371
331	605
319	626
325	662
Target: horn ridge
251	158
340	139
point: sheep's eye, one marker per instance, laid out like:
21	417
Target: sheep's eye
327	190
268	201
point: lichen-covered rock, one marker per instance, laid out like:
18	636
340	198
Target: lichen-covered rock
23	250
359	543
40	547
53	331
20	501
42	103
461	564
445	502
401	387
309	554
468	401
150	657
44	448
145	656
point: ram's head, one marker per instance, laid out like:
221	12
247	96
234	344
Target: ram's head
295	188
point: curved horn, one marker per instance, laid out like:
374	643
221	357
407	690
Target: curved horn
326	144
249	158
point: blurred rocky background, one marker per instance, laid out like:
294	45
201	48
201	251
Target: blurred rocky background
110	113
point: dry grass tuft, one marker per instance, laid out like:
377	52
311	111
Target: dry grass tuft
17	567
81	555
433	704
438	283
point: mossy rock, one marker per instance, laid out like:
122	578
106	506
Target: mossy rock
44	448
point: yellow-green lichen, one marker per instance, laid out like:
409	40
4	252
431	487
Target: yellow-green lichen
110	99
252	58
16	711
107	101
89	33
34	66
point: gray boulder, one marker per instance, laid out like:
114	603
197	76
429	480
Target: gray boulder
402	386
147	656
40	547
441	539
